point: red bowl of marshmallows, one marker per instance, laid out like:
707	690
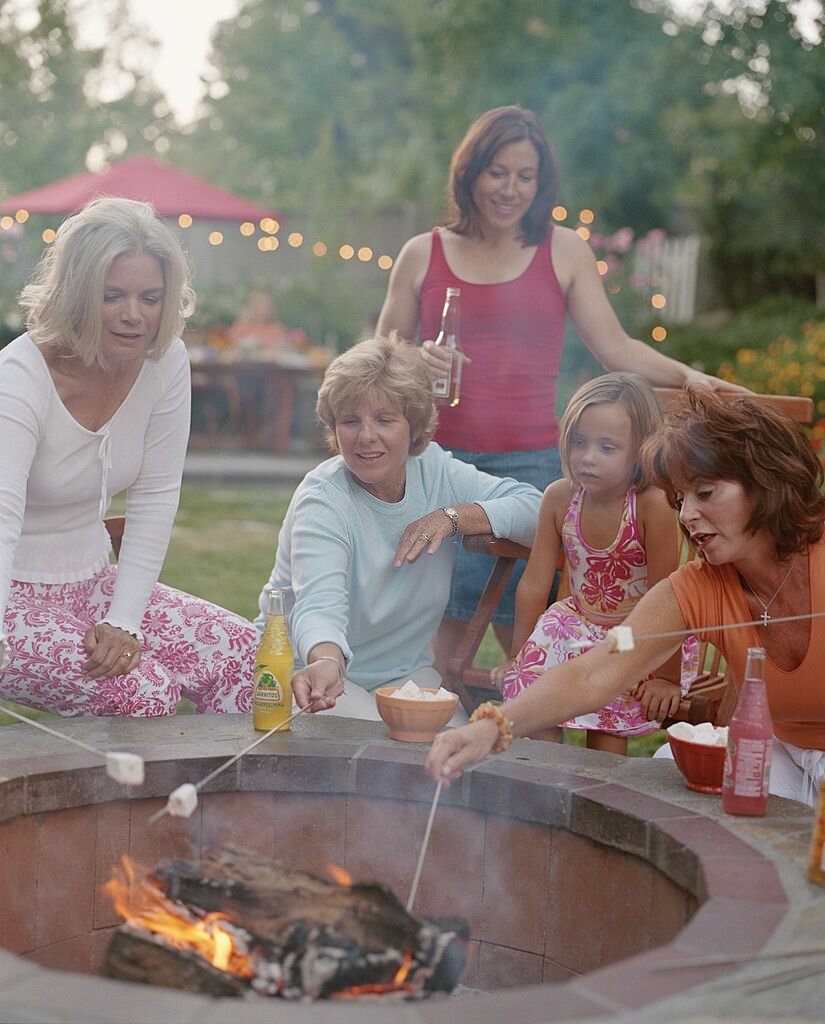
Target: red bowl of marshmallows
699	752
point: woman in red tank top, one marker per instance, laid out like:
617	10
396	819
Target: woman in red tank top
519	277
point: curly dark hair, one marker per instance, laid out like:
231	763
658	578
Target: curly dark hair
712	436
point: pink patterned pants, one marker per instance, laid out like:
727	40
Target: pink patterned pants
190	648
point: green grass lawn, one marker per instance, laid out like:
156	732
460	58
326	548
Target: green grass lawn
223	548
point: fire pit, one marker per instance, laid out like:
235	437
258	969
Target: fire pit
538	851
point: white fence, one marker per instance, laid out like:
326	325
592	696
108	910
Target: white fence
673	264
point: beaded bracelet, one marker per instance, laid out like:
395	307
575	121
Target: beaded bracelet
335	661
503	723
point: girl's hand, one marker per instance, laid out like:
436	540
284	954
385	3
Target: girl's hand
319	684
424	534
498	673
454	749
659	698
112	651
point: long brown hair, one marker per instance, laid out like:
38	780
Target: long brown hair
476	151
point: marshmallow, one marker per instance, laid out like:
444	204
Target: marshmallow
411	691
681	731
705	734
125	768
182	801
620	638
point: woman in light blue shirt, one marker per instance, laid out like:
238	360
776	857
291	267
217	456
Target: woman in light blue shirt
371	535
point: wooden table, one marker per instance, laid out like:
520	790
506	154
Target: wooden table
258	397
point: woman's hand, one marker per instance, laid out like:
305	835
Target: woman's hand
112	651
424	534
658	698
320	684
696	378
454	749
437	358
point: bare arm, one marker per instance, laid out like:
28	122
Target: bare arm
659	697
400	309
599	327
537	579
573	688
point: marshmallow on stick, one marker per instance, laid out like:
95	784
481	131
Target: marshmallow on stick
125	768
182	801
620	638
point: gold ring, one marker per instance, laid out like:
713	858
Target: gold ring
127	655
425	537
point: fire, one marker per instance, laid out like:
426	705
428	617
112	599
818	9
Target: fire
139	902
339	875
396	985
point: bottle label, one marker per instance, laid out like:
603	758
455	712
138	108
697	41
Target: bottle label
750	767
268	691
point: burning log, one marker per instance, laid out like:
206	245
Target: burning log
284	932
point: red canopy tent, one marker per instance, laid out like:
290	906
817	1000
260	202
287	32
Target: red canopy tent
171	192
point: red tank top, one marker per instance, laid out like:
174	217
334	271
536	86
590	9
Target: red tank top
513	332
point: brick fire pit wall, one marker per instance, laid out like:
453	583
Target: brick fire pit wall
579	873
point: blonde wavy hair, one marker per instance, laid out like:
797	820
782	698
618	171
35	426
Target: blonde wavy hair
635	396
64	297
390	370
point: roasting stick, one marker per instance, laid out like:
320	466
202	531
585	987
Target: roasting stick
674	634
184	799
122	767
424	845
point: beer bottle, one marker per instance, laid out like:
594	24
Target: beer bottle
447	388
274	663
750	737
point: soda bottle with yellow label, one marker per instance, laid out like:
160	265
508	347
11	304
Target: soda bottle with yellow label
274	663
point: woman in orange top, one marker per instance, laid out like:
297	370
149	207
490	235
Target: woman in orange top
748	489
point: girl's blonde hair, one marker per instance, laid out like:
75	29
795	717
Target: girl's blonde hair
630	391
64	297
389	369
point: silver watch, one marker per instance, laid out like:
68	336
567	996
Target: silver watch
452	515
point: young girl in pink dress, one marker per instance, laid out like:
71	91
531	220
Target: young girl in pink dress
619	537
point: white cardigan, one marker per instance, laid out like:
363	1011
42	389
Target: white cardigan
58	478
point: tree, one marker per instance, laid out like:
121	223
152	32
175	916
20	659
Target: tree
765	186
52	110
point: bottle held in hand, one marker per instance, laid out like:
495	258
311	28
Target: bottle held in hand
274	664
447	387
750	737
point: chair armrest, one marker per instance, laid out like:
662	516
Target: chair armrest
498	547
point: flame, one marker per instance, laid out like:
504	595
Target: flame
381	988
339	875
139	902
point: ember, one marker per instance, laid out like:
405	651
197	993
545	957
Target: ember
236	920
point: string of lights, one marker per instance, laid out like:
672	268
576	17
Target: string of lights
266	237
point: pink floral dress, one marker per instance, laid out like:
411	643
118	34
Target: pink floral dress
605	586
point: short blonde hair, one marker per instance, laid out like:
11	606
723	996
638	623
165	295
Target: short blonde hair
389	369
64	297
630	391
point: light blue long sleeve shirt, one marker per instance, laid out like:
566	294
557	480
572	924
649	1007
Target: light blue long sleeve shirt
336	550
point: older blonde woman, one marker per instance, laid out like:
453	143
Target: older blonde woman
94	400
370	537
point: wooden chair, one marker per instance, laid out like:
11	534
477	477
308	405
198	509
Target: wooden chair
712	696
